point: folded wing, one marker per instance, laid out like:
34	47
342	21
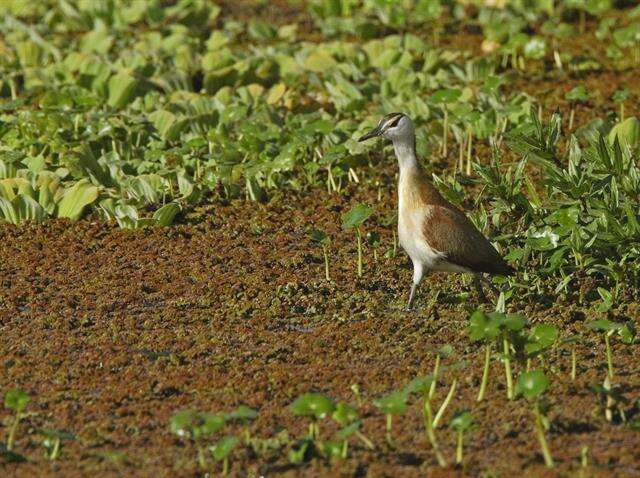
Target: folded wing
449	231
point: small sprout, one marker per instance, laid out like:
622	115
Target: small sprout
353	220
608	328
16	400
52	442
620	96
221	451
355	388
574	360
313	406
532	385
612	398
495	326
461	422
347	416
194	425
299	455
422	385
444	97
244	415
445	403
373	240
392	404
323	239
576	95
539	340
334	449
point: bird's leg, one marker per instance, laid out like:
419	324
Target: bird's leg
414	287
417	277
477	282
490	284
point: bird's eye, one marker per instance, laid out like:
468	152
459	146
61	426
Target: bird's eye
395	122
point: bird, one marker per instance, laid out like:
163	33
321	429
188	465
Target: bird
436	235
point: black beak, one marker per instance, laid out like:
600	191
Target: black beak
371	134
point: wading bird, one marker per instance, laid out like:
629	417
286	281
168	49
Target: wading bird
436	235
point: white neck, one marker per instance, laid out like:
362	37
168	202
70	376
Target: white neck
405	153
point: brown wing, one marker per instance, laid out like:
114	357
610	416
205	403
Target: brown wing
449	231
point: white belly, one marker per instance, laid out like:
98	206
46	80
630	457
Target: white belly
412	241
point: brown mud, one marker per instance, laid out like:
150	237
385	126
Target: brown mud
112	331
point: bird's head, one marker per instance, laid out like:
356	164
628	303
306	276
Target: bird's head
394	126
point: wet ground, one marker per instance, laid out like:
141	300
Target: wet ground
112	331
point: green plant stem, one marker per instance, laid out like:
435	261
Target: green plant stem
573	363
544	446
225	466
485	373
571	117
434	382
368	443
431	436
325	253
507	366
202	462
469	140
445	125
12	431
459	447
609	357
359	235
56	450
345	449
388	429
445	404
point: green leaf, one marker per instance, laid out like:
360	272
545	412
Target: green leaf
628	333
481	327
579	93
446	96
225	445
243	413
513	322
76	198
332	449
627	132
349	430
356	216
193	424
21	208
319	61
393	403
542	336
312	405
121	87
345	414
421	384
319	236
168	124
16	399
298	455
602	325
166	214
532	384
462	420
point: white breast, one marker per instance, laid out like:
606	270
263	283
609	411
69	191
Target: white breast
411	218
410	222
